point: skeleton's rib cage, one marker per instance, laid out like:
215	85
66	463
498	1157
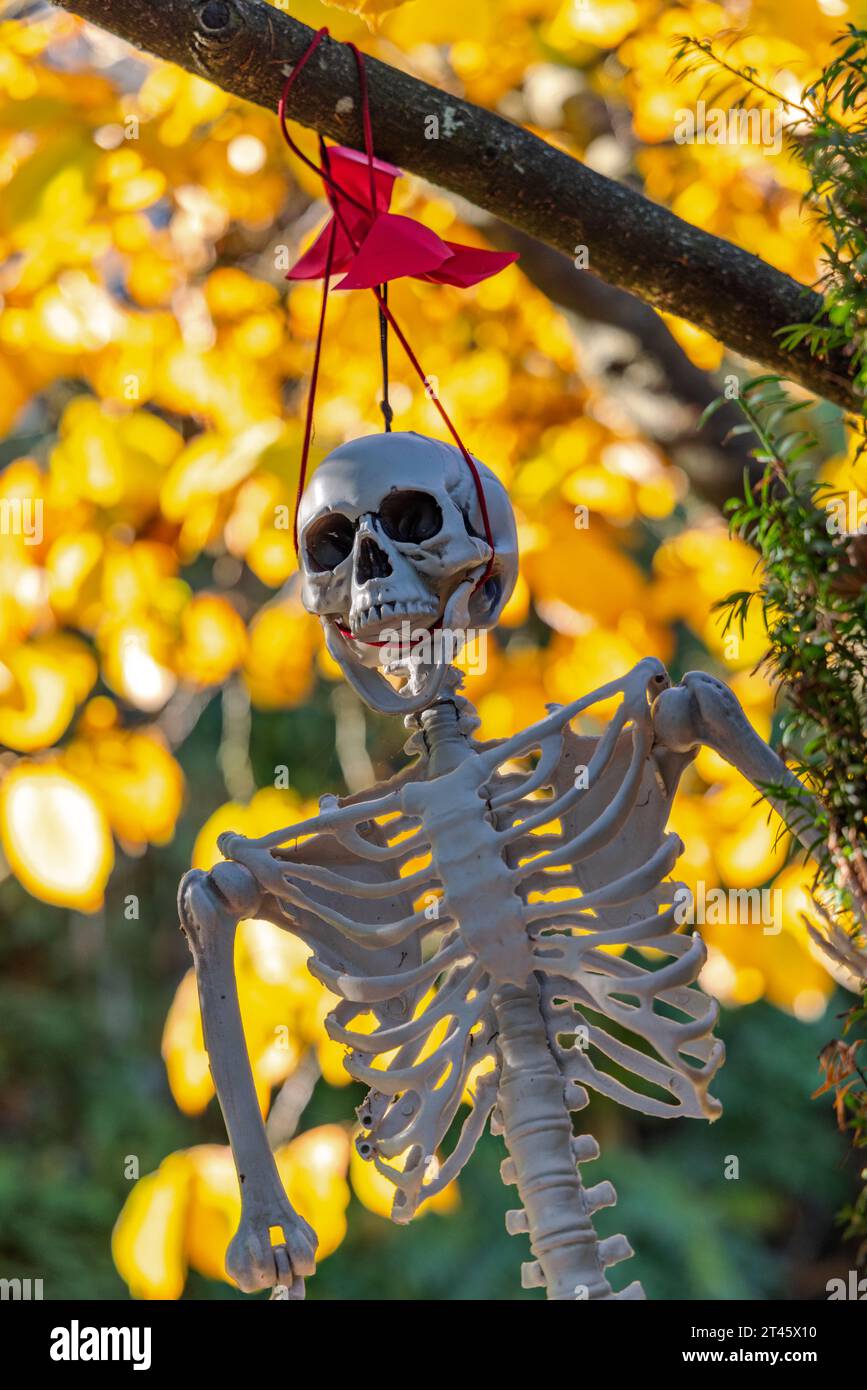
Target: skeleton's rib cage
543	859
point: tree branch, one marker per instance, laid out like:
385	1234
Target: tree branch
643	369
244	46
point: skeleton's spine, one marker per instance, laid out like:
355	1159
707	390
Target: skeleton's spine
570	1260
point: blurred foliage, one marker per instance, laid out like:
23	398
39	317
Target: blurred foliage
813	593
827	134
810	534
159	681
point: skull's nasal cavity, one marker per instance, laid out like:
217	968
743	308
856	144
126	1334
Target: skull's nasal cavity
372	563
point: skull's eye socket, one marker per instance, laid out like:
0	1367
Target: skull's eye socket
410	516
329	541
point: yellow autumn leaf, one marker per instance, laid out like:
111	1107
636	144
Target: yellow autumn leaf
136	662
37	699
110	459
211	465
74	575
55	836
183	1050
139	784
213	640
278	668
149	1237
749	841
214	1209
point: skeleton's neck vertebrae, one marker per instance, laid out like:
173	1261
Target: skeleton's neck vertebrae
445	738
465	914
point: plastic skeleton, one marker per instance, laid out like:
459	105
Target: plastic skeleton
466	909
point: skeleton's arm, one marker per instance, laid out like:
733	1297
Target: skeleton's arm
211	906
702	710
304	878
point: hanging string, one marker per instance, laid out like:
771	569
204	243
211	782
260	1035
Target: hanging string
385	404
468	458
314	377
281	112
367	126
386	317
366	121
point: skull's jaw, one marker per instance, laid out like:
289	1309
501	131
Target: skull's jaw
424	664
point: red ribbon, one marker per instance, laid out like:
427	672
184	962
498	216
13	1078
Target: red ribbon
374	246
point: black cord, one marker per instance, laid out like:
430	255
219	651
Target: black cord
384	405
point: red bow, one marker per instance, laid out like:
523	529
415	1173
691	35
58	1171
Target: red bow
374	245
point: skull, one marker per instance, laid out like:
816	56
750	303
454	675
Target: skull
392	548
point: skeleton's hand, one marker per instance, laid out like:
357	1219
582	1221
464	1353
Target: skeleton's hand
255	1264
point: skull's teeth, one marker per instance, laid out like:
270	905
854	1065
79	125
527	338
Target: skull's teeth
379	612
